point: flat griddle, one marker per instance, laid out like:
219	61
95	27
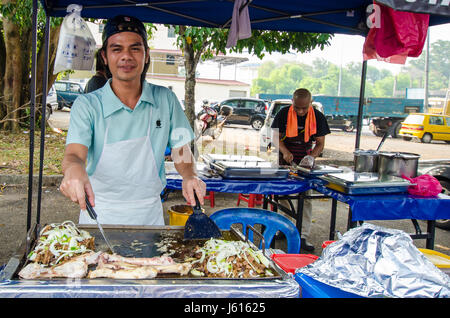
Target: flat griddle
135	241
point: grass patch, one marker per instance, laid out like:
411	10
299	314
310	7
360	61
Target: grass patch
15	154
14	150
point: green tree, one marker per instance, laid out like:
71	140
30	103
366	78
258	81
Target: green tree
286	78
314	85
15	60
261	86
203	43
323	78
439	66
320	67
403	81
384	87
266	68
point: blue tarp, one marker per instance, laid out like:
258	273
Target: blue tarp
391	206
364	207
277	187
326	16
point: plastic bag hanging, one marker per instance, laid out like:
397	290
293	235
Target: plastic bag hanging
425	185
399	35
76	45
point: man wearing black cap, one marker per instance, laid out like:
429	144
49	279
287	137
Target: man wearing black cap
122	131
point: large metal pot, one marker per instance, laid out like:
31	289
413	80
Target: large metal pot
397	164
366	160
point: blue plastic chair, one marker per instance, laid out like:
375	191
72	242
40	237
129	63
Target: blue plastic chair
272	222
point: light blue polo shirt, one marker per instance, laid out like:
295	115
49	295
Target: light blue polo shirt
91	113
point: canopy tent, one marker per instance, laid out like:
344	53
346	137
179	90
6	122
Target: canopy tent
326	16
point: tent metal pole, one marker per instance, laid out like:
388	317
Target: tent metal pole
43	117
32	111
361	104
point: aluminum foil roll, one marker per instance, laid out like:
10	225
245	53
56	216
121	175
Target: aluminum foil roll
372	261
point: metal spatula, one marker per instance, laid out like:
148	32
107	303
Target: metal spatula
93	216
199	225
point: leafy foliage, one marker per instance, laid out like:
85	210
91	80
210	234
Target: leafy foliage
204	43
322	77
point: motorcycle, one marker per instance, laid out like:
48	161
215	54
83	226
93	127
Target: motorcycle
212	119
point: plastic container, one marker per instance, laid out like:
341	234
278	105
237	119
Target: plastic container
312	288
178	214
438	259
290	262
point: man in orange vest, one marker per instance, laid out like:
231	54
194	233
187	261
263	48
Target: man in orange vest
300	130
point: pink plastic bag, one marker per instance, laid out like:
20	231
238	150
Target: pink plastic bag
399	34
426	185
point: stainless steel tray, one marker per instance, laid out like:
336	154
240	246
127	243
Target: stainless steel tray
243	170
236	158
318	170
365	183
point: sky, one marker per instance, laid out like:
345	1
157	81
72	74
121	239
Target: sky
343	48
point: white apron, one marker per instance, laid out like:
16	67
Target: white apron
126	184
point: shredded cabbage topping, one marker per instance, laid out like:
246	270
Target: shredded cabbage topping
230	259
58	242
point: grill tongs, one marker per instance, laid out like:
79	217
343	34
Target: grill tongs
93	216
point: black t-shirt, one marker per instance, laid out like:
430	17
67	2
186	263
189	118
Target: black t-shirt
97	81
297	145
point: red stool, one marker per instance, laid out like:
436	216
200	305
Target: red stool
210	197
252	199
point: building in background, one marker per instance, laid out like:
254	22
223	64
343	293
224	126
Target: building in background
216	80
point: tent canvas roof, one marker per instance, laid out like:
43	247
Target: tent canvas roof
326	16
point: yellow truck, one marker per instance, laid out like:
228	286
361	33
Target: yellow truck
439	105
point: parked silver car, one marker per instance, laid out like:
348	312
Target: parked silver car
52	99
52	102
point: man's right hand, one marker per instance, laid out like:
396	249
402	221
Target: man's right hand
75	184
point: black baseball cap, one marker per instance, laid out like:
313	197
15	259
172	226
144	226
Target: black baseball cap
123	23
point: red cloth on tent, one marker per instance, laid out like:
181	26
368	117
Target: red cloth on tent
397	35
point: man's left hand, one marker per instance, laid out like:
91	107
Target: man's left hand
191	184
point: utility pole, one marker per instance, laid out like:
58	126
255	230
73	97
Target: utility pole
340	72
395	86
427	61
340	80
